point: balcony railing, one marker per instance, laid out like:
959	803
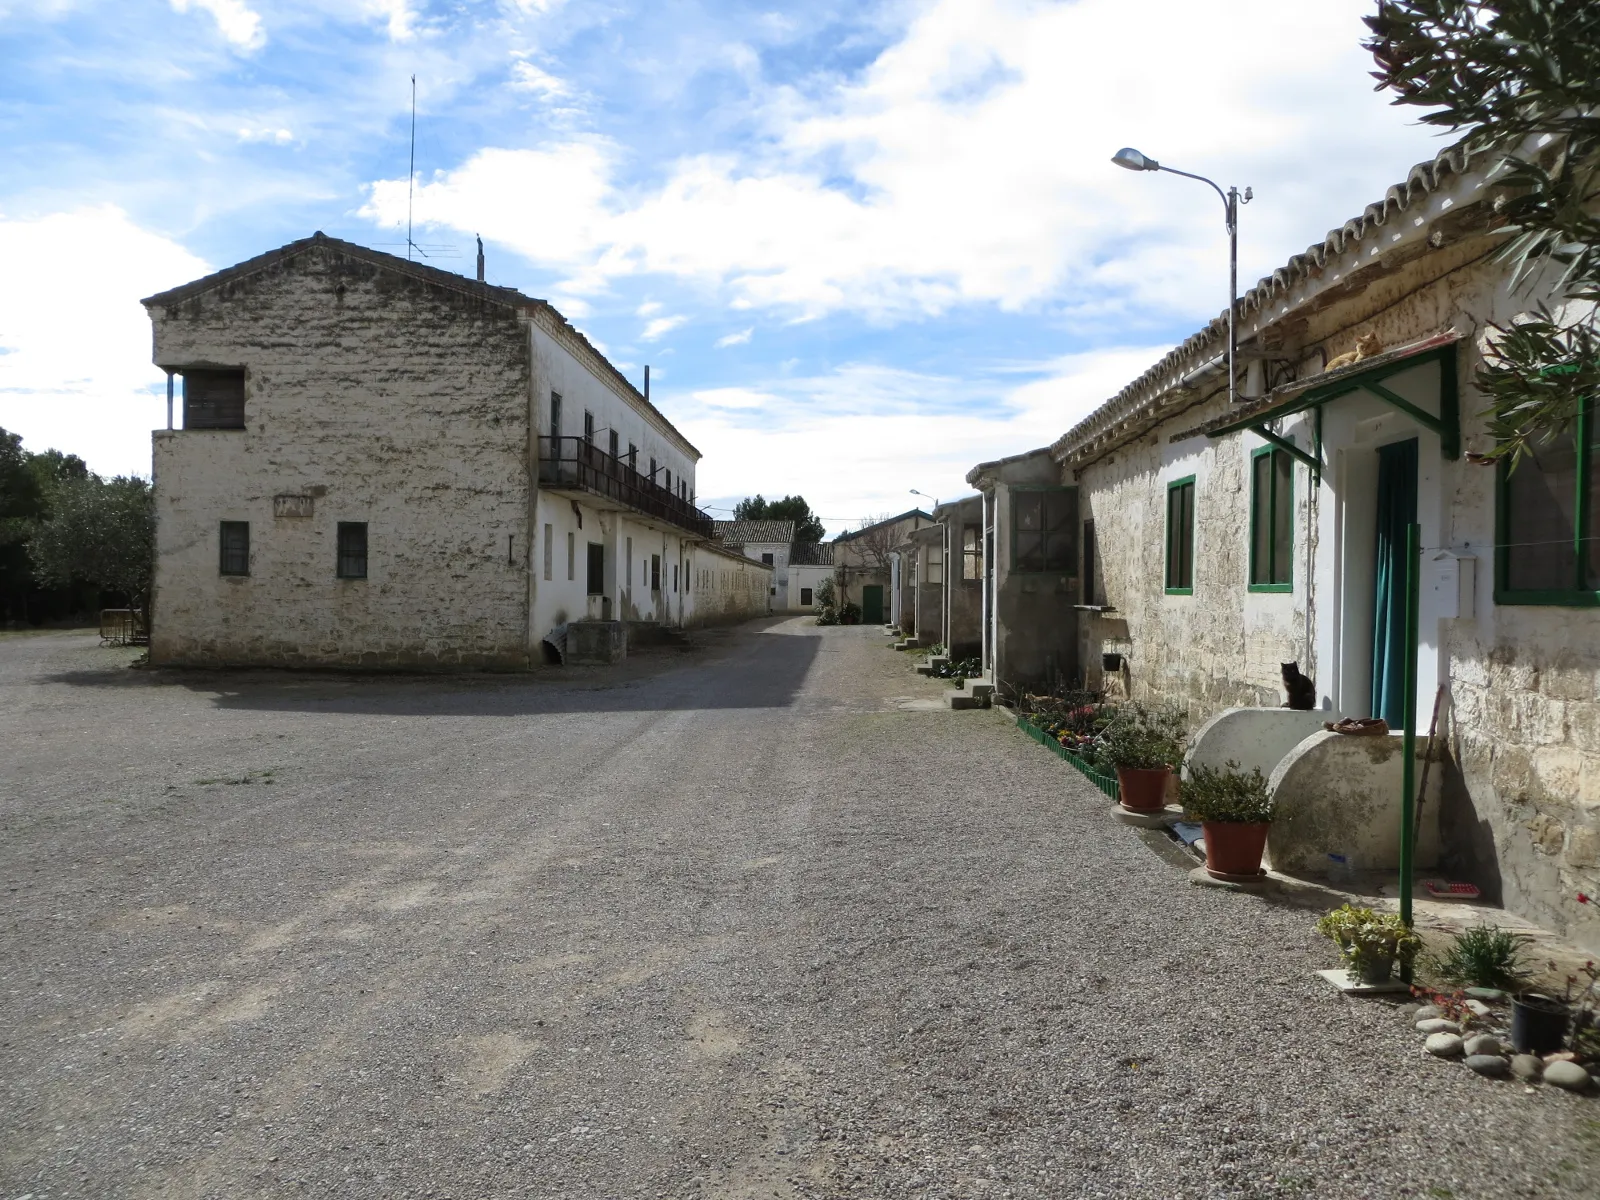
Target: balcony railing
571	462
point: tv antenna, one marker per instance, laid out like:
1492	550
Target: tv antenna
411	174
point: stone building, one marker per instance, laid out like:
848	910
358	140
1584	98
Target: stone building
381	464
1218	541
864	563
961	607
767	542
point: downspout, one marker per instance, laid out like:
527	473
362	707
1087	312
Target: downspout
1408	765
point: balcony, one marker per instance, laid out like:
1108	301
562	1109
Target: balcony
572	464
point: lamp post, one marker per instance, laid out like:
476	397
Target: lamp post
925	496
1132	160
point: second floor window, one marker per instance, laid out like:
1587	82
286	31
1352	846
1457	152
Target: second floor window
613	446
213	399
555	415
633	457
588	427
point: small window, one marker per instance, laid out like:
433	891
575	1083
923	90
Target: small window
668	477
352	550
655	572
597	569
588	427
555	415
1090	579
1180	537
572	557
674	577
805	597
934	570
971	552
652	470
1549	536
1043	531
213	399
633	457
767	558
1271	520
629	557
549	551
235	548
612	443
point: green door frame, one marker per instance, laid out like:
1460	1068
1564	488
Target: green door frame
872	604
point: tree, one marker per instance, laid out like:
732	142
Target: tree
807	528
1519	80
101	531
874	543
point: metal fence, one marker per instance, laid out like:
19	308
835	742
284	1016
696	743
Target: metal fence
572	462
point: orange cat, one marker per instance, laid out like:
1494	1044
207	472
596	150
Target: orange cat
1367	345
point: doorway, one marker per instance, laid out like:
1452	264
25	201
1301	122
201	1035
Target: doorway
1396	509
872	604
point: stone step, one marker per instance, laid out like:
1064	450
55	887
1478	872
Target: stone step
961	700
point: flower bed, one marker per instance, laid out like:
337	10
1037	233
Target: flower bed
1106	783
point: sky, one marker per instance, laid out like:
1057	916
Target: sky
862	245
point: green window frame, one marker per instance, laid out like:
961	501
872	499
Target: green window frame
1545	551
1271	520
1044	531
1180	537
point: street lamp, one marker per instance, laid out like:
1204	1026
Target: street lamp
1132	160
925	496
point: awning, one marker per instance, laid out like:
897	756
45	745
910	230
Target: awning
1368	376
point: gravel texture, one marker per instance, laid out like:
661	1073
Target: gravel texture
755	920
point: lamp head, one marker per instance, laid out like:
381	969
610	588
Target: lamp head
1134	161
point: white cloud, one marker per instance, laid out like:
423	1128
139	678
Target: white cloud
75	370
397	13
526	77
236	21
736	339
278	137
660	327
648	309
969	164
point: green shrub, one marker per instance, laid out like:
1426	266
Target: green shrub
1484	956
1226	794
850	613
1364	936
1142	739
828	616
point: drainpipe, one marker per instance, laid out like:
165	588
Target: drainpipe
169	401
1408	767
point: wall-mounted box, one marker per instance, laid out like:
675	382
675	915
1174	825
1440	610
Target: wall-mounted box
1450	581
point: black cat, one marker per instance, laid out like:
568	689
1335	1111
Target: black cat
1302	691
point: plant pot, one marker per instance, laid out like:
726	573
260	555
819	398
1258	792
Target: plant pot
1141	790
1235	847
1538	1023
1373	968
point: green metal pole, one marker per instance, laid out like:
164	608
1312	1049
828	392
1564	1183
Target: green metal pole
1408	783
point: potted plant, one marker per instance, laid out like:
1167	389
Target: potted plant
1236	813
1142	744
1370	942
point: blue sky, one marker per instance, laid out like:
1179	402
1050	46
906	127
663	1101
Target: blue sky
863	246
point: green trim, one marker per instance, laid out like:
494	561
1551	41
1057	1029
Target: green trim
1287	446
1172	534
1577	596
1070	572
1255	517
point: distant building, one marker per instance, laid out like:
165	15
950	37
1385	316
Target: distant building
864	563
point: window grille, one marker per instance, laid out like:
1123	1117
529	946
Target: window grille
352	550
235	548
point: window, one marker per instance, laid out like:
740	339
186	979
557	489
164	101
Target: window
655	572
971	552
352	550
612	443
668	477
652	470
549	552
235	548
572	556
213	399
1044	531
633	457
1548	537
597	569
805	597
588	426
674	577
935	567
555	415
629	557
1271	520
1180	537
1090	582
767	558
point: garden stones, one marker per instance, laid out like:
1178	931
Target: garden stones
1567	1075
1482	1044
1527	1066
1426	1012
1491	1065
1433	1025
1445	1045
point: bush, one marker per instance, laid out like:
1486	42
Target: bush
850	613
1484	956
825	597
1226	794
1143	739
1364	936
828	616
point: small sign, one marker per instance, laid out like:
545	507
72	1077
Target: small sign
292	506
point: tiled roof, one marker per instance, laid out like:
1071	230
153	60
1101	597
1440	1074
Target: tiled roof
811	554
1133	403
745	532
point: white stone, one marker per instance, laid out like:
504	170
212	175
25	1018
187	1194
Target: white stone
1437	1025
1567	1075
1482	1043
1443	1045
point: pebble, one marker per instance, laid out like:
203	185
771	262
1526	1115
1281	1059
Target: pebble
1410	1012
1567	1075
1527	1066
1437	1025
1482	1043
1478	1008
1487	1064
1492	994
1427	1012
1443	1045
1560	1056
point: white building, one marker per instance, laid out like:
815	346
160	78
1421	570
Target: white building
383	464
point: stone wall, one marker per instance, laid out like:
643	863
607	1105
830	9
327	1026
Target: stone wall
375	398
726	587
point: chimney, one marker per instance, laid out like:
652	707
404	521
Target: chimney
647	381
480	260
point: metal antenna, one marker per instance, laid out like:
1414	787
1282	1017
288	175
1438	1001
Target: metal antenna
411	173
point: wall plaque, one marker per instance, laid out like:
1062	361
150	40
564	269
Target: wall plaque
292	506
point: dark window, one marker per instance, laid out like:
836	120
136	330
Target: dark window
613	443
633	457
1090	582
674	576
971	552
235	548
1044	531
1549	535
655	572
652	470
352	550
213	399
805	597
1271	520
767	558
597	569
588	427
1180	537
555	415
668	478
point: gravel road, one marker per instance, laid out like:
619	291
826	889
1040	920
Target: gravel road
754	920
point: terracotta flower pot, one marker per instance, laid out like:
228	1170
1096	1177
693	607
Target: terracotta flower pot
1142	791
1235	847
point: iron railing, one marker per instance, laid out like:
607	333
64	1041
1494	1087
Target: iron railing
572	462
